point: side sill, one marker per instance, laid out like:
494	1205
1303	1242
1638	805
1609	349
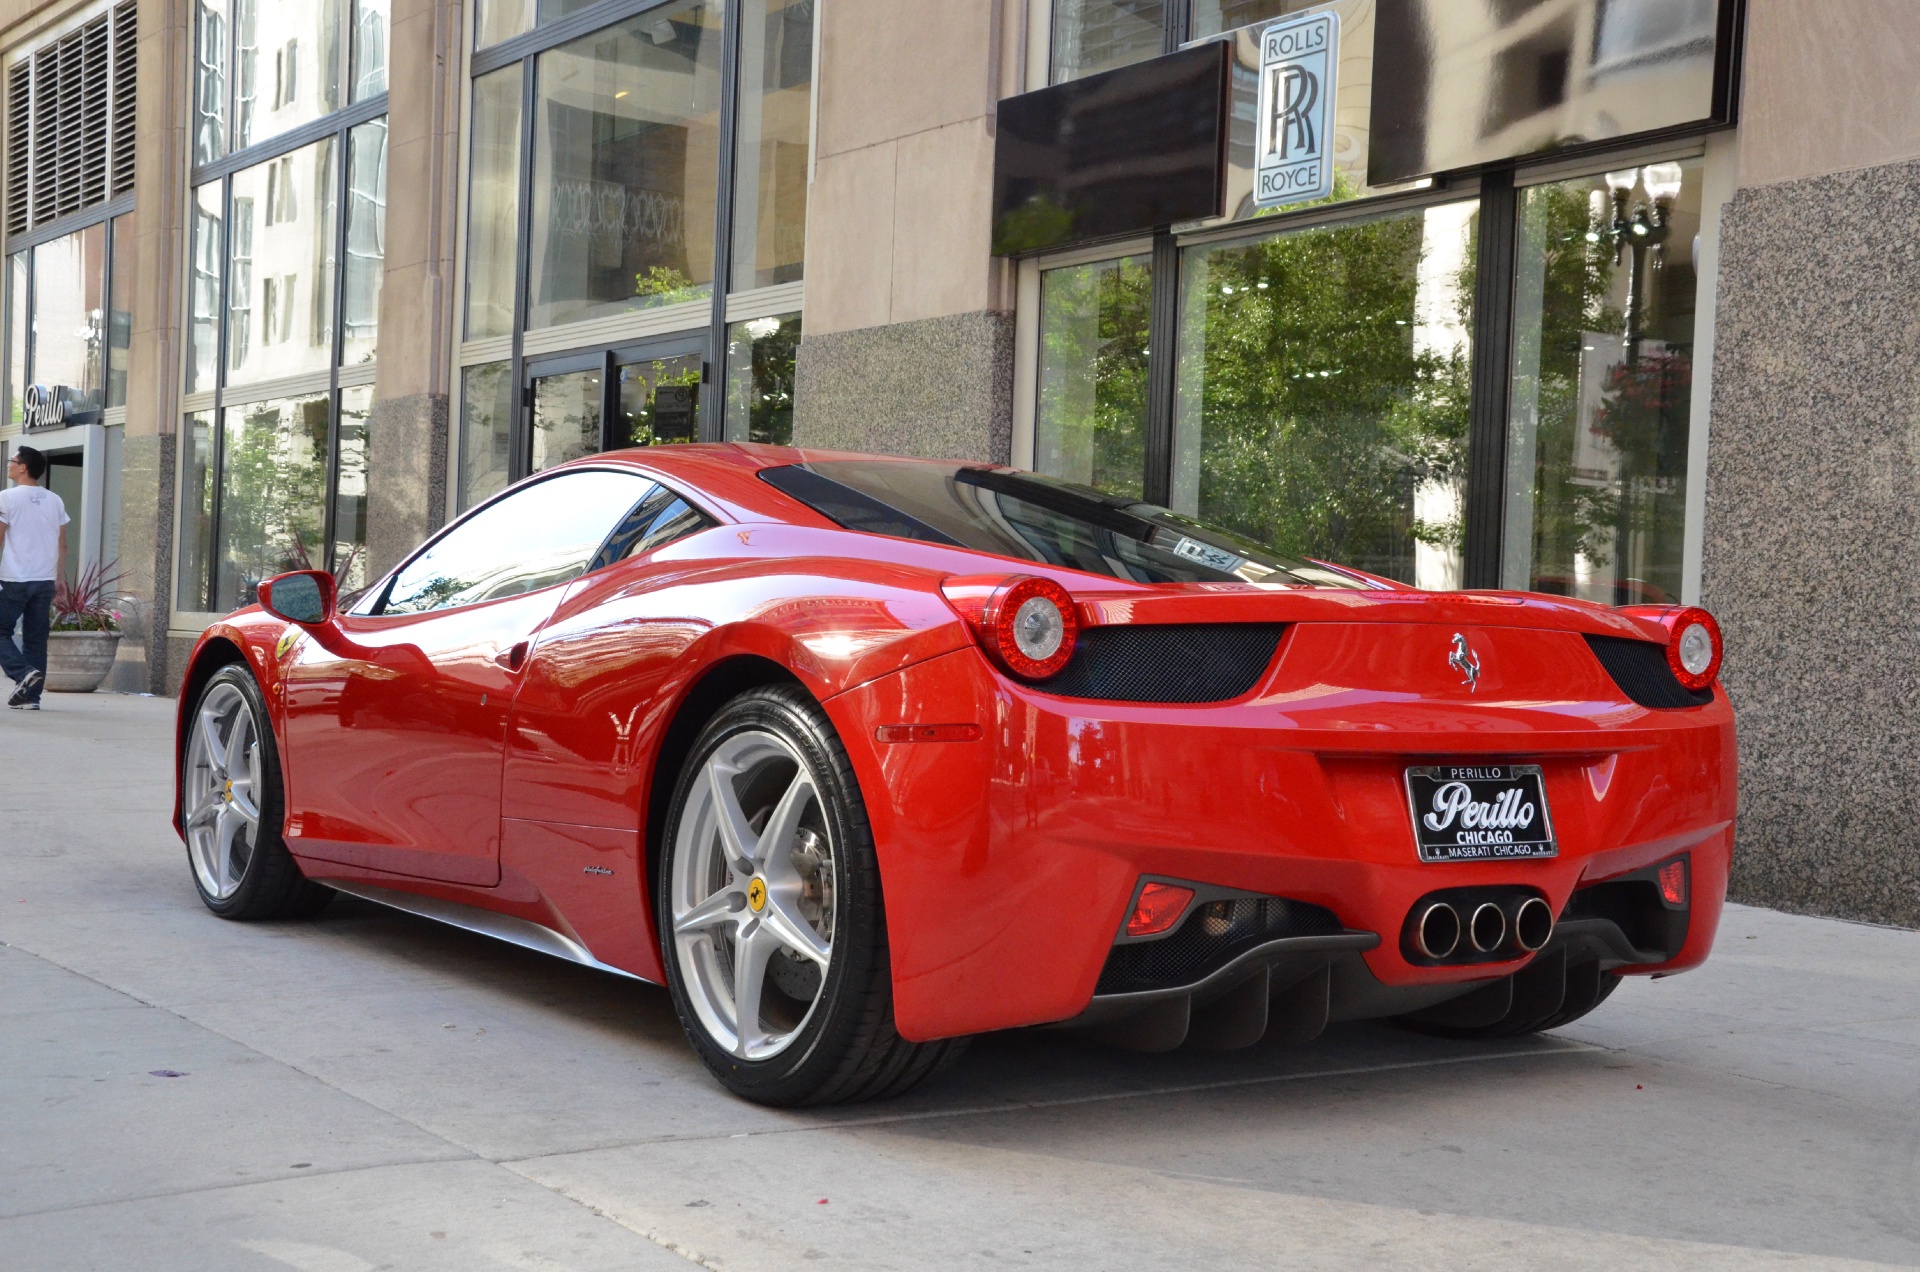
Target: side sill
504	927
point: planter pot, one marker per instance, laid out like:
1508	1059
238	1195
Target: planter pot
78	661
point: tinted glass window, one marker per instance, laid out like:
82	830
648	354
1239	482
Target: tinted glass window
541	534
659	519
1021	514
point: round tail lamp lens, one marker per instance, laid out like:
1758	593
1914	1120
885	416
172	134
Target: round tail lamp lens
1694	650
1039	628
1031	626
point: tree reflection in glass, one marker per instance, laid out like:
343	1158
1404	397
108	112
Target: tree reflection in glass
273	496
1090	423
1323	391
1597	450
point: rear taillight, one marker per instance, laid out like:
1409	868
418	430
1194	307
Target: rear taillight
1029	625
1693	648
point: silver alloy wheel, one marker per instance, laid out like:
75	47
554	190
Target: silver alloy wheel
752	895
220	791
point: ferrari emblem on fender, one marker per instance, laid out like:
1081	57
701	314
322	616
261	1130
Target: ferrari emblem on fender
1466	662
757	895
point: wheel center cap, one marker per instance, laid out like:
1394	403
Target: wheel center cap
757	894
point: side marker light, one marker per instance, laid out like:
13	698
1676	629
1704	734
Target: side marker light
929	733
1159	908
1673	881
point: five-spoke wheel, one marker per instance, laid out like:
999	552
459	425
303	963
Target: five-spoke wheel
752	894
771	919
230	807
219	797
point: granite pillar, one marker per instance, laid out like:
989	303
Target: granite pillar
1812	553
937	387
406	476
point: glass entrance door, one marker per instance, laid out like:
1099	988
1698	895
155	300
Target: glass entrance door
580	404
656	397
566	408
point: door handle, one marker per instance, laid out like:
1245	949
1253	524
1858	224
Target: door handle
512	658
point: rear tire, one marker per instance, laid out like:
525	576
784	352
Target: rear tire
232	807
769	894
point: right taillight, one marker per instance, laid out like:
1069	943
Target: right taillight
1028	624
1693	648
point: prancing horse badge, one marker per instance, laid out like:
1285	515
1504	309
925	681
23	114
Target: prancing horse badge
1466	662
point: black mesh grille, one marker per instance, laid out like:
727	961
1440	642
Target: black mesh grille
1170	662
1640	668
1215	934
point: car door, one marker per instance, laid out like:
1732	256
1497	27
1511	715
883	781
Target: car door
396	718
590	693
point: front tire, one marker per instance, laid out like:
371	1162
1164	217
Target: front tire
772	925
232	807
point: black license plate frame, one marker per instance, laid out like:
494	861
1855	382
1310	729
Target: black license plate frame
1504	827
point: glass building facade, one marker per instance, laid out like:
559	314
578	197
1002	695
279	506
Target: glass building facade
286	260
1333	387
635	237
68	281
1480	379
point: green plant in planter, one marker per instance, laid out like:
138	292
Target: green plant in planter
85	605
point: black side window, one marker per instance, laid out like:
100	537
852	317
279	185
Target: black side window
854	509
656	521
543	533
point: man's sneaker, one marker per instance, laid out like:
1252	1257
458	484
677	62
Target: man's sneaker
26	694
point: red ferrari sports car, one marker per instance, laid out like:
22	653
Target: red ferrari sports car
860	756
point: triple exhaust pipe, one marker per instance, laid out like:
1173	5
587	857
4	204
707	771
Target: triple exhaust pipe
1440	928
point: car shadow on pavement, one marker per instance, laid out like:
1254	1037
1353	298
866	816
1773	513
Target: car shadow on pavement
1005	1070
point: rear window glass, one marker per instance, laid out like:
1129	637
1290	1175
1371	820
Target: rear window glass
1034	518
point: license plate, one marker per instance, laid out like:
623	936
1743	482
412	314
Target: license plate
1480	812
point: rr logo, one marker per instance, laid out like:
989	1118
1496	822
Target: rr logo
1299	94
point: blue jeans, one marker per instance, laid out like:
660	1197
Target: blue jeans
34	603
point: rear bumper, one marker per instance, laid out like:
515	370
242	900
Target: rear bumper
1008	863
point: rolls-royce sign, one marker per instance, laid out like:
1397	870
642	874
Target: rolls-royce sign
1298	64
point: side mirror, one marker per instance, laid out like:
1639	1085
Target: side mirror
306	597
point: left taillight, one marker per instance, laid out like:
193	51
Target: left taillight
1694	648
1028	624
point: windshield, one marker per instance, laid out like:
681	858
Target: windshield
1021	514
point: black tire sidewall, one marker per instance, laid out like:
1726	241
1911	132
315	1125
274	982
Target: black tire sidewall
834	1028
251	898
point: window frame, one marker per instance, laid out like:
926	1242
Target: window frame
706	319
339	126
105	212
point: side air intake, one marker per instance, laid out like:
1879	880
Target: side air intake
1168	662
1640	668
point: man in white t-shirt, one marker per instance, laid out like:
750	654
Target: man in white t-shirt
33	553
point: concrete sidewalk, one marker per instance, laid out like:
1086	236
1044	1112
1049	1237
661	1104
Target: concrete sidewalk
371	1090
